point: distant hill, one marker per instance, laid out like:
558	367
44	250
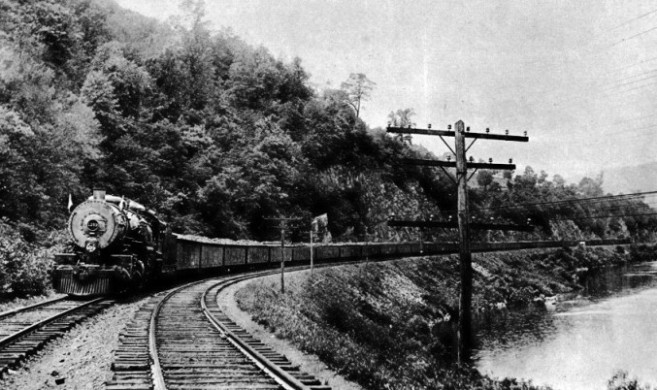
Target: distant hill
631	179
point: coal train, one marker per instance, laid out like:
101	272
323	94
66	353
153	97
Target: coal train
118	245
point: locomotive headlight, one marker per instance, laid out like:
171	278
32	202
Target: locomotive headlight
91	246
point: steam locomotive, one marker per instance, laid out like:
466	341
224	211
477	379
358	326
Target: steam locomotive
116	245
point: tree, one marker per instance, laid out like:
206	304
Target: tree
402	118
591	187
485	178
559	181
358	88
195	53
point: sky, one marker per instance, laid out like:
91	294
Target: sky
580	76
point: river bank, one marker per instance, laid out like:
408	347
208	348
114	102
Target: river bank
392	324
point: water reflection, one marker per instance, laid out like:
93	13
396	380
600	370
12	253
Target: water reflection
586	341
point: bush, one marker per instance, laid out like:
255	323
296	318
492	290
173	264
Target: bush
620	381
25	260
643	252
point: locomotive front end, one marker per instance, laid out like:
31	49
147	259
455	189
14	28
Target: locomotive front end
98	260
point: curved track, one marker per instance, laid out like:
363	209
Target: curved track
26	330
182	340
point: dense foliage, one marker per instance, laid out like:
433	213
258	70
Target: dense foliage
218	135
25	259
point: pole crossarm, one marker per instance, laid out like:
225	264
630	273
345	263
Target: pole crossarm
452	164
404	130
451	133
497	137
454	225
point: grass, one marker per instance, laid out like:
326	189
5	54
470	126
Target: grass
383	325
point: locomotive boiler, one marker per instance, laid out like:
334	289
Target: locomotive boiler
116	245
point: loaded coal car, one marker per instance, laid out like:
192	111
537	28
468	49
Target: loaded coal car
116	246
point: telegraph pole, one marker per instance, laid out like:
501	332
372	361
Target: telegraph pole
462	165
282	225
312	263
465	297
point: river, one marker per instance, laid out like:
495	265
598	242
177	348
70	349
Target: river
583	342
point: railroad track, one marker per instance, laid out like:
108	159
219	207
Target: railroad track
26	330
182	340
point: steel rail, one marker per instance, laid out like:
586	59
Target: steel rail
156	369
44	322
272	369
30	307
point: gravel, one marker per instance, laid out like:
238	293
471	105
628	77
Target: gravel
307	363
78	361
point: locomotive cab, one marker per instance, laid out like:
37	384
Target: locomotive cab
115	246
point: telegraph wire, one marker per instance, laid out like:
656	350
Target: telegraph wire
611	98
591	200
605	216
585	201
632	20
651	59
634	36
605	91
594	199
622	83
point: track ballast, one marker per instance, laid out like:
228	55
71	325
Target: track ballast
182	340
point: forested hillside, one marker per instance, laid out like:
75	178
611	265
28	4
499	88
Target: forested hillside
217	135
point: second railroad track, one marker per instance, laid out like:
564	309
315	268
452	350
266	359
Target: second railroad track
25	331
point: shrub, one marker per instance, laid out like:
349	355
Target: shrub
620	381
25	260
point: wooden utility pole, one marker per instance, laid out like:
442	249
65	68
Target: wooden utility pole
465	297
463	221
312	263
282	225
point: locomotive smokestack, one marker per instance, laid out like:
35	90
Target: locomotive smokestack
99	194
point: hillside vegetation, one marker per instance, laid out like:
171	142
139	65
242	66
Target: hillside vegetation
217	135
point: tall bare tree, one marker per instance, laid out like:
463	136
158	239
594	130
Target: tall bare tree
357	88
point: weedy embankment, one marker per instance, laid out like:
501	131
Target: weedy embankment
391	325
